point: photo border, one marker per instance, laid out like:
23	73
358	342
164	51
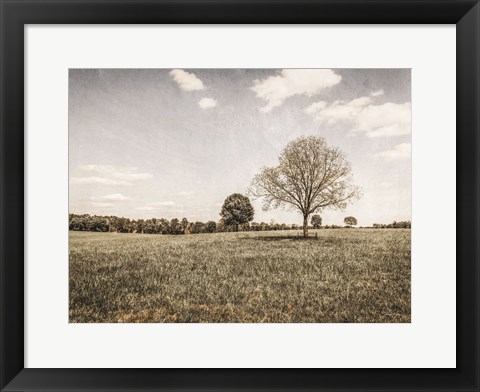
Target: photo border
16	14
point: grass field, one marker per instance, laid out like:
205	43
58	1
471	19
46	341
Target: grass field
356	275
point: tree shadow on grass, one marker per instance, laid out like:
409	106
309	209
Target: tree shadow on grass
281	238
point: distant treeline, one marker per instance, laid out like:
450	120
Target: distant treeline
394	225
86	222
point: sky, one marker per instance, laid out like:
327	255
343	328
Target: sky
166	143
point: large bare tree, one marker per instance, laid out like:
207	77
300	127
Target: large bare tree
310	177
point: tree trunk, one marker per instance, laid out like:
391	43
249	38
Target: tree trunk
305	226
236	227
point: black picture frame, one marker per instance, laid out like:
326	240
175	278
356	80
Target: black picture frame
15	14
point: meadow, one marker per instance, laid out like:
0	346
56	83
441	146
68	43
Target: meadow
343	276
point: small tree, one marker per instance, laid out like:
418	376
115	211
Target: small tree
254	226
199	227
164	226
316	221
237	210
221	226
350	221
210	227
175	227
184	225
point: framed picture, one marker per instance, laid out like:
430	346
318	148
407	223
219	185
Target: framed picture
220	196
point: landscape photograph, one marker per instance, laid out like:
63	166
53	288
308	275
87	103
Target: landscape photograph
239	195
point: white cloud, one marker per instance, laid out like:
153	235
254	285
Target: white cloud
207	103
145	208
377	93
96	180
109	175
362	115
113	197
97	168
315	107
389	119
274	90
162	203
401	151
186	193
102	205
157	205
186	80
